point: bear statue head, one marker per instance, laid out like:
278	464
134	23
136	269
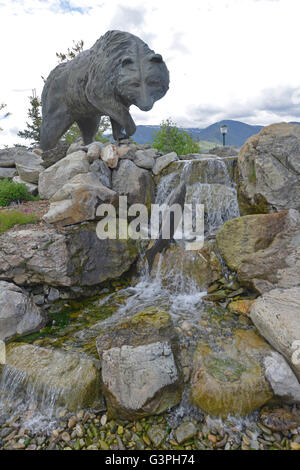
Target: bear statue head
142	82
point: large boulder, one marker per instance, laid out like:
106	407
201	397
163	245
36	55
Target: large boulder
264	249
52	377
54	178
141	374
18	314
231	379
29	166
70	257
277	316
78	200
134	182
269	170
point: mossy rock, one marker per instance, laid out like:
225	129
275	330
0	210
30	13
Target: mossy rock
231	381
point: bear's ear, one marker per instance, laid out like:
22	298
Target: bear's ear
156	58
127	61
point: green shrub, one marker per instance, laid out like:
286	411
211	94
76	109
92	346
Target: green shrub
12	217
10	191
171	139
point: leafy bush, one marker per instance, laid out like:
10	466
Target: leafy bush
12	217
171	139
10	191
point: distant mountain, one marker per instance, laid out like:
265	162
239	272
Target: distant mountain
238	133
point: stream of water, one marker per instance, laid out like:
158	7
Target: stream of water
210	182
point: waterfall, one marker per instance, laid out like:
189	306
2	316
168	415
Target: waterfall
210	181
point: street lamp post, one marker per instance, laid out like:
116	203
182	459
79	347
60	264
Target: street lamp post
224	131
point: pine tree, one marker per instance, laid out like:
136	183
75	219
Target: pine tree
34	126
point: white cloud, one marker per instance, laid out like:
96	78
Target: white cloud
222	54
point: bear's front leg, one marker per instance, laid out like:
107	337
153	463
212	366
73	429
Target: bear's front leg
117	130
127	124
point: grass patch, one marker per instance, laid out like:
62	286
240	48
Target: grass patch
10	191
13	217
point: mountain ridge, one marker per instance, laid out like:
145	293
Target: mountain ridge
238	132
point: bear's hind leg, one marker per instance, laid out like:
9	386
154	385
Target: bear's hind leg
88	128
53	127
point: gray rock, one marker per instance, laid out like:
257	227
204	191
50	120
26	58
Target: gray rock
277	317
185	431
53	294
94	151
75	146
141	374
54	177
135	374
29	165
157	434
162	162
7	157
50	157
7	173
134	182
103	173
269	170
143	160
75	257
282	379
38	299
32	188
18	314
78	199
256	245
100	82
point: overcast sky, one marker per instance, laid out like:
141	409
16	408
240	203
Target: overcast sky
228	59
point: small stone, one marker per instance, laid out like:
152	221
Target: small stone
53	295
109	156
72	421
120	430
103	445
94	151
212	438
185	431
103	420
157	434
279	419
66	436
19	446
79	430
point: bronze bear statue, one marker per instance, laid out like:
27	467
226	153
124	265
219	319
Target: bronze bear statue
105	80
